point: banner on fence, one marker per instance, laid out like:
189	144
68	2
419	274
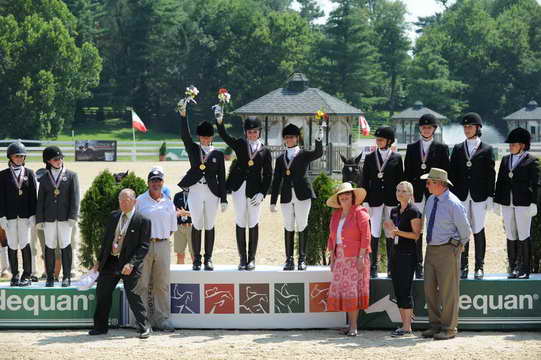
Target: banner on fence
95	150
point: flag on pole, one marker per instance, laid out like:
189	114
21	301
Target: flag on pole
137	123
363	126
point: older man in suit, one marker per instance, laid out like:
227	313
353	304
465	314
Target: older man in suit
123	249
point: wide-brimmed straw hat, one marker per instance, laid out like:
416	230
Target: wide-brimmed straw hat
360	194
438	175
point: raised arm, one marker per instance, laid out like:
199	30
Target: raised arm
185	134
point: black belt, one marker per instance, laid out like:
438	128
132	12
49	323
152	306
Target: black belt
157	239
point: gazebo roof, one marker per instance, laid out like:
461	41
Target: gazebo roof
297	99
530	112
415	112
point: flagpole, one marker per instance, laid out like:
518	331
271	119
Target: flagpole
133	150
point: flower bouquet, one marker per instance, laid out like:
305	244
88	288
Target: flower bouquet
191	93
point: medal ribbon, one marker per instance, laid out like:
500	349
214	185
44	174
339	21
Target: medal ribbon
201	152
122	229
423	155
56	183
510	161
381	167
288	164
251	154
18	181
468	152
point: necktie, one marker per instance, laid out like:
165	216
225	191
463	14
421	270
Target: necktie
431	220
123	220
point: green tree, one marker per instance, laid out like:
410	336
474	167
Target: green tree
43	72
310	10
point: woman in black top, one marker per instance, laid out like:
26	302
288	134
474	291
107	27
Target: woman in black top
405	225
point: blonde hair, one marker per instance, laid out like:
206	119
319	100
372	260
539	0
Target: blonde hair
408	186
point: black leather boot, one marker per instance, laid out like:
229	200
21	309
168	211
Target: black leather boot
289	240
13	266
526	247
253	238
196	247
303	240
374	245
209	246
464	266
241	246
389	243
480	250
512	254
27	266
419	267
67	258
49	266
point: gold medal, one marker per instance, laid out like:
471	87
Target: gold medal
288	172
510	175
20	192
250	163
202	167
56	192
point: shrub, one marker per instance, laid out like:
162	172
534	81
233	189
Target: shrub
163	149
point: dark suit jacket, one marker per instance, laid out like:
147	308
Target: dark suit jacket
282	183
13	205
382	191
479	179
214	172
523	185
258	176
438	157
134	246
58	208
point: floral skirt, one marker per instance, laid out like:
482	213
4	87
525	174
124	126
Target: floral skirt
349	289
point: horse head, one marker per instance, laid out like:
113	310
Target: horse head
352	172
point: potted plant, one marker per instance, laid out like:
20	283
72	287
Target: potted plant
163	151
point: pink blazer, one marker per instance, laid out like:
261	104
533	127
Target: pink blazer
355	232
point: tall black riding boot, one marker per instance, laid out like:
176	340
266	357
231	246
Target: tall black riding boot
67	258
480	250
303	240
13	266
49	266
253	238
526	259
209	246
374	246
196	247
240	233
389	243
27	266
512	257
289	240
464	266
419	266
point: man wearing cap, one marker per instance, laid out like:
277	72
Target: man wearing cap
249	182
382	171
516	192
473	176
18	200
206	181
123	248
57	212
447	231
421	156
160	210
295	190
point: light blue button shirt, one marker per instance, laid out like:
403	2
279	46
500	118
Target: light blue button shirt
451	221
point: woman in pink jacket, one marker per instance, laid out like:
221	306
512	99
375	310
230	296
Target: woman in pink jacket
349	245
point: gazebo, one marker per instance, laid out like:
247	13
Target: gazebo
406	127
297	103
529	117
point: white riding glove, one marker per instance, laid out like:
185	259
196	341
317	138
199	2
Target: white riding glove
218	113
489	205
223	207
182	105
497	209
533	210
256	199
365	205
273	208
4	223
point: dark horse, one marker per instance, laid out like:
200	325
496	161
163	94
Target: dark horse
119	176
352	172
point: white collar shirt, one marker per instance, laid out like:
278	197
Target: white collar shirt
161	213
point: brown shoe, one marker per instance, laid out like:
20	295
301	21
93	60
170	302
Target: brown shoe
430	332
444	335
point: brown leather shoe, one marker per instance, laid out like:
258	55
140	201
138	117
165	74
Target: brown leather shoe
430	332
444	335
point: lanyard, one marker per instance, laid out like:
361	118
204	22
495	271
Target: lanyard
251	154
381	167
56	183
18	181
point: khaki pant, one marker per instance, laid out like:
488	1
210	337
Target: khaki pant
183	237
441	285
153	287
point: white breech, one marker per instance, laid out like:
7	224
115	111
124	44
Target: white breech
18	233
245	214
4	263
203	206
476	213
57	234
378	215
34	248
516	222
296	212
